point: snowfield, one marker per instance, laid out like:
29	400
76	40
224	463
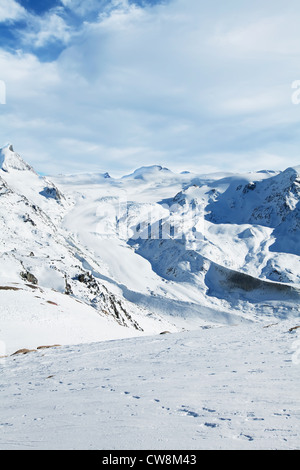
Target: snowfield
230	387
93	269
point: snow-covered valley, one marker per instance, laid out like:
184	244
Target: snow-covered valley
101	266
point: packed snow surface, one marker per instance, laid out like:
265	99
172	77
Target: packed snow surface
230	387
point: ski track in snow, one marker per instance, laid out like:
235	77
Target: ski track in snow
220	388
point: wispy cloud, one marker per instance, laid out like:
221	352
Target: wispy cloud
42	31
10	10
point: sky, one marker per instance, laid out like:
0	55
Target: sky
113	85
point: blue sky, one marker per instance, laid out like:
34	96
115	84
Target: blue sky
112	85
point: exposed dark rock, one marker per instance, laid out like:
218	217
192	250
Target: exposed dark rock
27	276
51	192
68	288
27	219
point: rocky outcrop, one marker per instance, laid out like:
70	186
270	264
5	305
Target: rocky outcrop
29	277
106	302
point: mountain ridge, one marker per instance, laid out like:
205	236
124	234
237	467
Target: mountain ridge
166	254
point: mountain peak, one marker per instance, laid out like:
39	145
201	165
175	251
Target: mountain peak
10	160
146	172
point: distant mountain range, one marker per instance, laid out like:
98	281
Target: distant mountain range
90	257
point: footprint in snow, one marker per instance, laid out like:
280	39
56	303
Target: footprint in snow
131	396
211	425
209	410
249	438
189	412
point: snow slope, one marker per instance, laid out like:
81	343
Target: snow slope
218	388
48	318
37	256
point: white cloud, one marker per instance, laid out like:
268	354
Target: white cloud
10	10
42	30
182	84
81	8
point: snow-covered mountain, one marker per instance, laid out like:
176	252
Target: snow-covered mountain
88	258
149	252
